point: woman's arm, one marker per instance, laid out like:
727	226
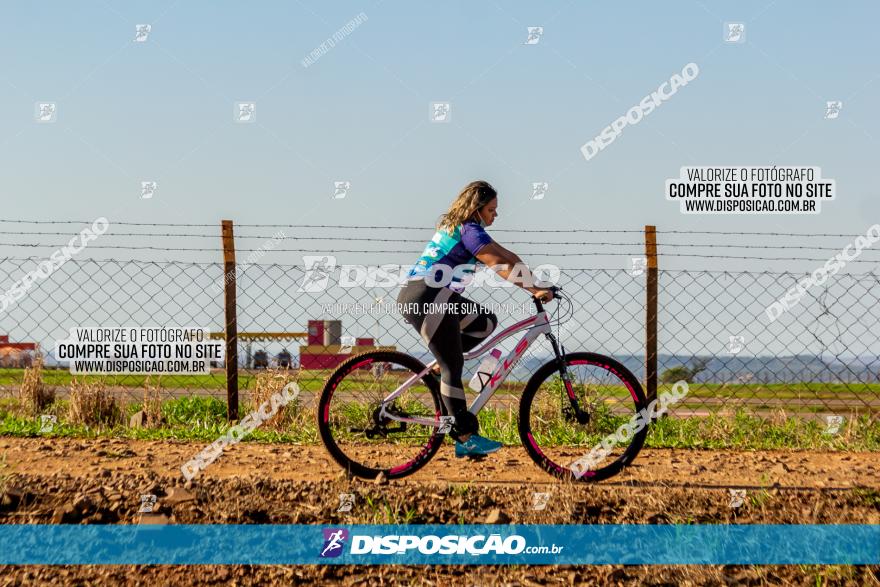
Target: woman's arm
505	263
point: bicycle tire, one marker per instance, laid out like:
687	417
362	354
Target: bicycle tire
351	463
545	372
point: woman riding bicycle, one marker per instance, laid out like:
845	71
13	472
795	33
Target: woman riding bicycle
449	323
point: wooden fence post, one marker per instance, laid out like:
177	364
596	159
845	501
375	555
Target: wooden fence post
231	320
651	313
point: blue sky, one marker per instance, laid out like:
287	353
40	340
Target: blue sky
163	110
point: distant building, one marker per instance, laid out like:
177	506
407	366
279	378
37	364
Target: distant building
324	348
16	354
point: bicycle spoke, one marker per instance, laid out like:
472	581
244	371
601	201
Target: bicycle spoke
358	431
588	438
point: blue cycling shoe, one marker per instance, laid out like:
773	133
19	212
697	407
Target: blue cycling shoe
475	446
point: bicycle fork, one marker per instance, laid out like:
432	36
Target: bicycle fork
582	417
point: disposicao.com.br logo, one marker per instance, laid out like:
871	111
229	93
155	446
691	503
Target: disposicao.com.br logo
334	542
335	539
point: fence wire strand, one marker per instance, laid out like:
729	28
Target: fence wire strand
820	357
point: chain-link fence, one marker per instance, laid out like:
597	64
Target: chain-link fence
90	293
820	357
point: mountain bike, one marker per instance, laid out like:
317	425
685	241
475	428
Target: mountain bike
380	412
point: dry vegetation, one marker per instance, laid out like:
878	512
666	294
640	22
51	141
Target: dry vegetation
92	405
33	395
152	405
266	385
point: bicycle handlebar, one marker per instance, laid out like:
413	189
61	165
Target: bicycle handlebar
554	290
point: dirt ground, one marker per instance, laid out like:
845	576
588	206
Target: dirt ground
101	481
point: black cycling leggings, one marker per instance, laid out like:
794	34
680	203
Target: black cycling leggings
450	325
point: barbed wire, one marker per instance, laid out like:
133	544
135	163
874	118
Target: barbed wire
398	252
394	252
386	240
371	227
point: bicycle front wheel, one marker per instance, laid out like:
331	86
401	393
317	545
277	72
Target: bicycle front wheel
358	437
586	450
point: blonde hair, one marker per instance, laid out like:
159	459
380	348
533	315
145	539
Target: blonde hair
474	196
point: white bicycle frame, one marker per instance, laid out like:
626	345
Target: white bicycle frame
535	326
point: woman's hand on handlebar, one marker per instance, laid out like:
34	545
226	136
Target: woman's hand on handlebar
545	294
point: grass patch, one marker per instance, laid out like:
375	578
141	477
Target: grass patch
62	378
313	381
868	496
197	411
200	418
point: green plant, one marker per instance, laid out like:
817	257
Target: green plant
194	411
868	495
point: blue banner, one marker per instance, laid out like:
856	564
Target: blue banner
440	544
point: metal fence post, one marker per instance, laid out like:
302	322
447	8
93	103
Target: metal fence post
231	320
651	313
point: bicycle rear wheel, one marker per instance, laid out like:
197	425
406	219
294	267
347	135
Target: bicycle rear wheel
351	428
563	446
